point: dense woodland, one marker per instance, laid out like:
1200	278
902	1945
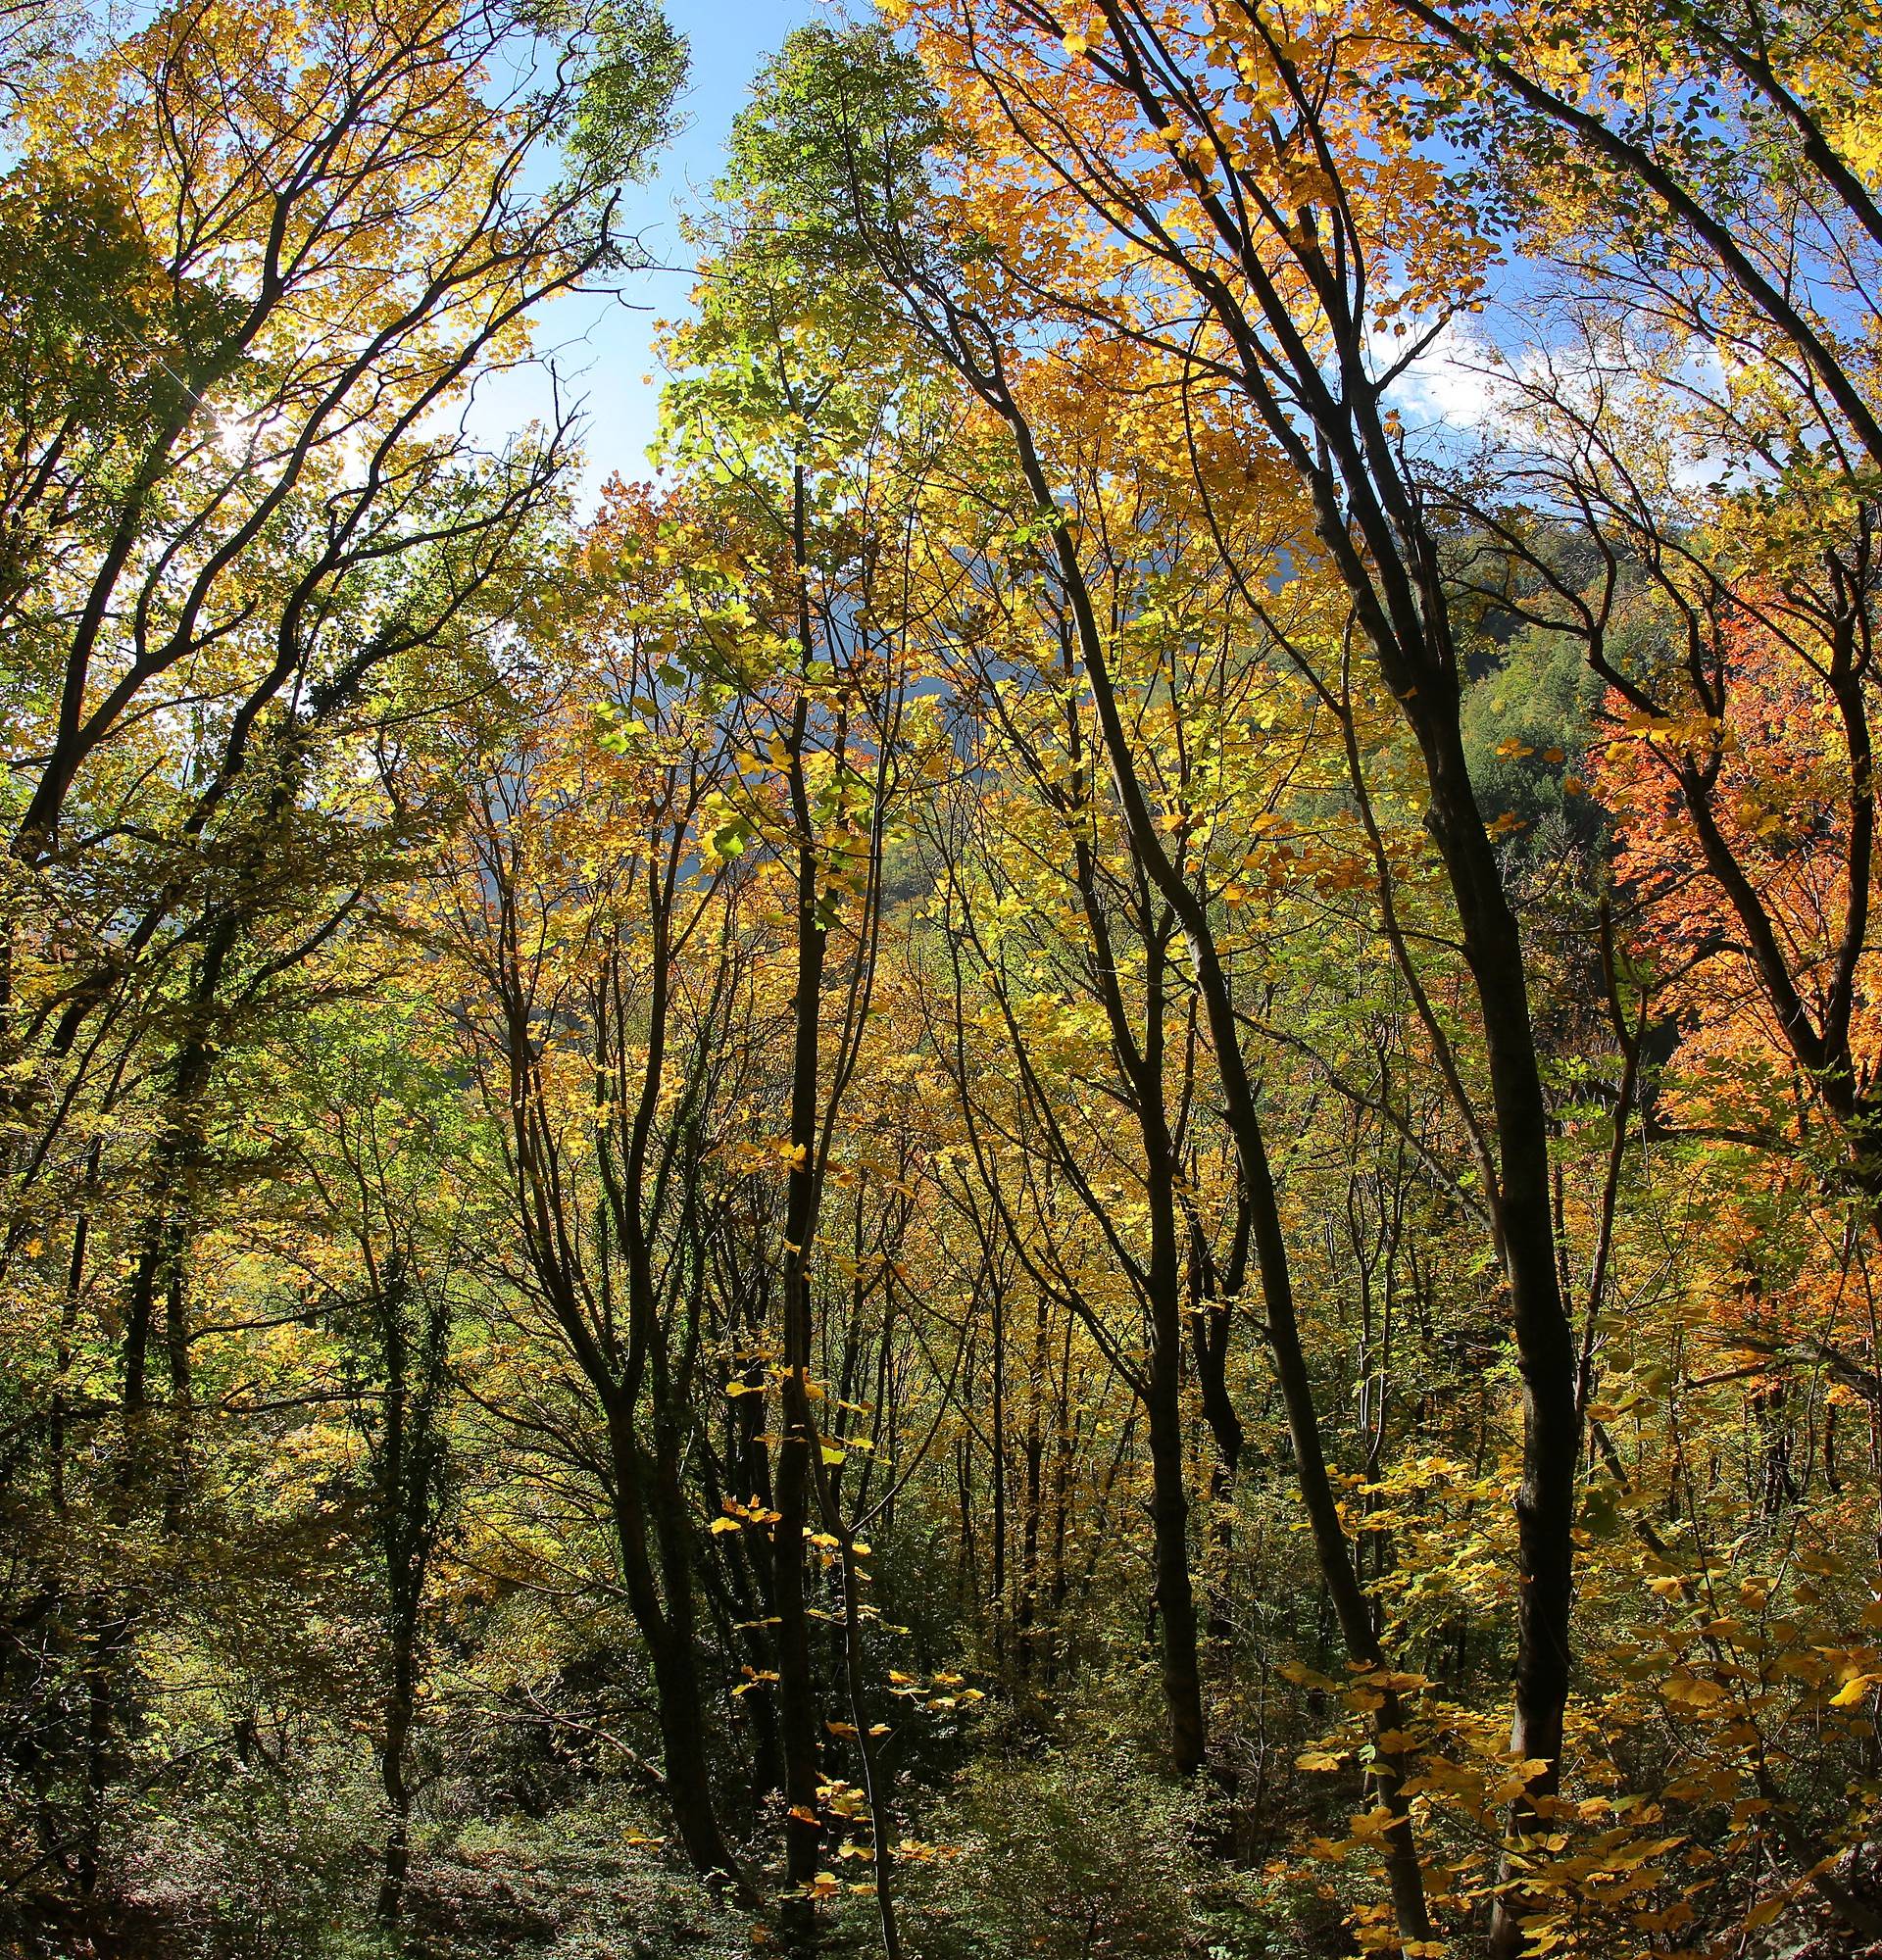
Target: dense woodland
1075	1147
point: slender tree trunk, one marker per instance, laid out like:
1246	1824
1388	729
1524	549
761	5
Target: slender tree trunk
1169	1515
673	1656
798	1710
1546	1355
1162	1394
997	1474
400	1703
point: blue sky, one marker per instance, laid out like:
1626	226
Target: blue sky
600	345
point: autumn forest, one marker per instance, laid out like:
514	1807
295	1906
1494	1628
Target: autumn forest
1068	1144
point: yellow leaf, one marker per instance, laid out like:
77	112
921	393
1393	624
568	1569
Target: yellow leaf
1302	1677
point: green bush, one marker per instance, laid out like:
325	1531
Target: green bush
1078	1854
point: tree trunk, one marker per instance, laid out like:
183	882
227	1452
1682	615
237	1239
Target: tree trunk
1175	1594
400	1703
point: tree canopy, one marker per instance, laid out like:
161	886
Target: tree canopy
1072	1147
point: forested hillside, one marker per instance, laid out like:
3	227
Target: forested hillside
1074	1148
